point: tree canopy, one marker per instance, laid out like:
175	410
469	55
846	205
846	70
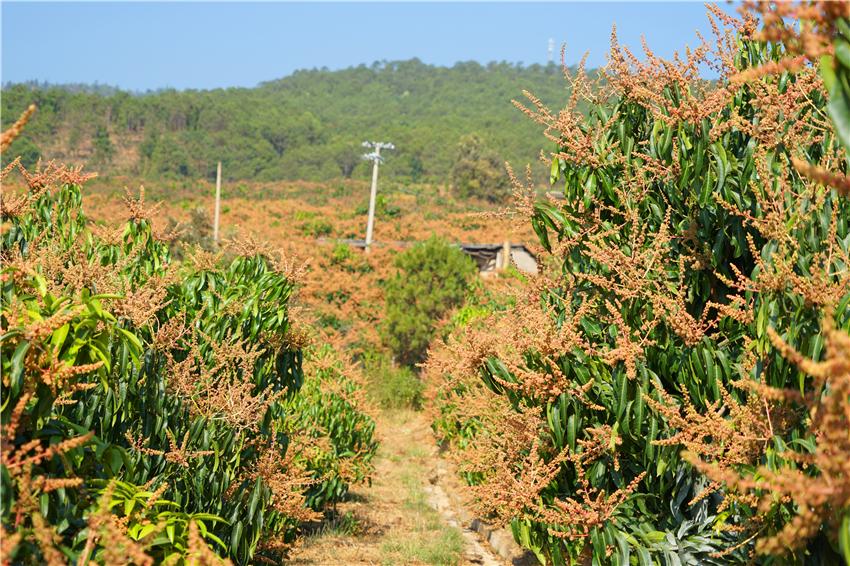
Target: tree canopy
477	171
308	125
433	277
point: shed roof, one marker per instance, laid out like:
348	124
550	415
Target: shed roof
467	247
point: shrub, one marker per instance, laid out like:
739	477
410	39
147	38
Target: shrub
197	233
383	208
341	253
317	227
433	277
165	396
390	386
676	390
329	416
341	190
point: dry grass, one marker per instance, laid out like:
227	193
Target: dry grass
276	211
344	297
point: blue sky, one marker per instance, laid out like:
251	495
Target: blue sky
142	46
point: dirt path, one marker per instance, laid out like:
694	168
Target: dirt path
407	516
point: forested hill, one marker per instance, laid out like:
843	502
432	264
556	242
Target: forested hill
306	126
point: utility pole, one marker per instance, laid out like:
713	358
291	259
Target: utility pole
217	203
373	196
375	158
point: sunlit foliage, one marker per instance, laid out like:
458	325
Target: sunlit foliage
675	389
155	411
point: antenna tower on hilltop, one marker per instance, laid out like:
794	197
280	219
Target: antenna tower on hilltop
551	50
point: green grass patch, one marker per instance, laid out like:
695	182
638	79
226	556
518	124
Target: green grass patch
442	546
344	525
392	387
430	541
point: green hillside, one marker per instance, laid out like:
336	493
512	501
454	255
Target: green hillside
306	126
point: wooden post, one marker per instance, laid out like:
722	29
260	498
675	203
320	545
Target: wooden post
217	203
506	255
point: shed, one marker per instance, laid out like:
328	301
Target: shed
489	257
492	257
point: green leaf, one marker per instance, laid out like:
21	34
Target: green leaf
554	171
59	335
145	531
844	537
17	375
236	537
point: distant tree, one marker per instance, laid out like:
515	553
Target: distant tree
24	148
284	131
278	137
74	137
417	169
477	171
433	278
170	158
103	149
148	145
346	155
295	127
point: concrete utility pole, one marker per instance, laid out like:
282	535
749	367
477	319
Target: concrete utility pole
373	196
375	158
217	203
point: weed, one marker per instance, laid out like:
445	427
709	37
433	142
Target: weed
316	228
390	386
